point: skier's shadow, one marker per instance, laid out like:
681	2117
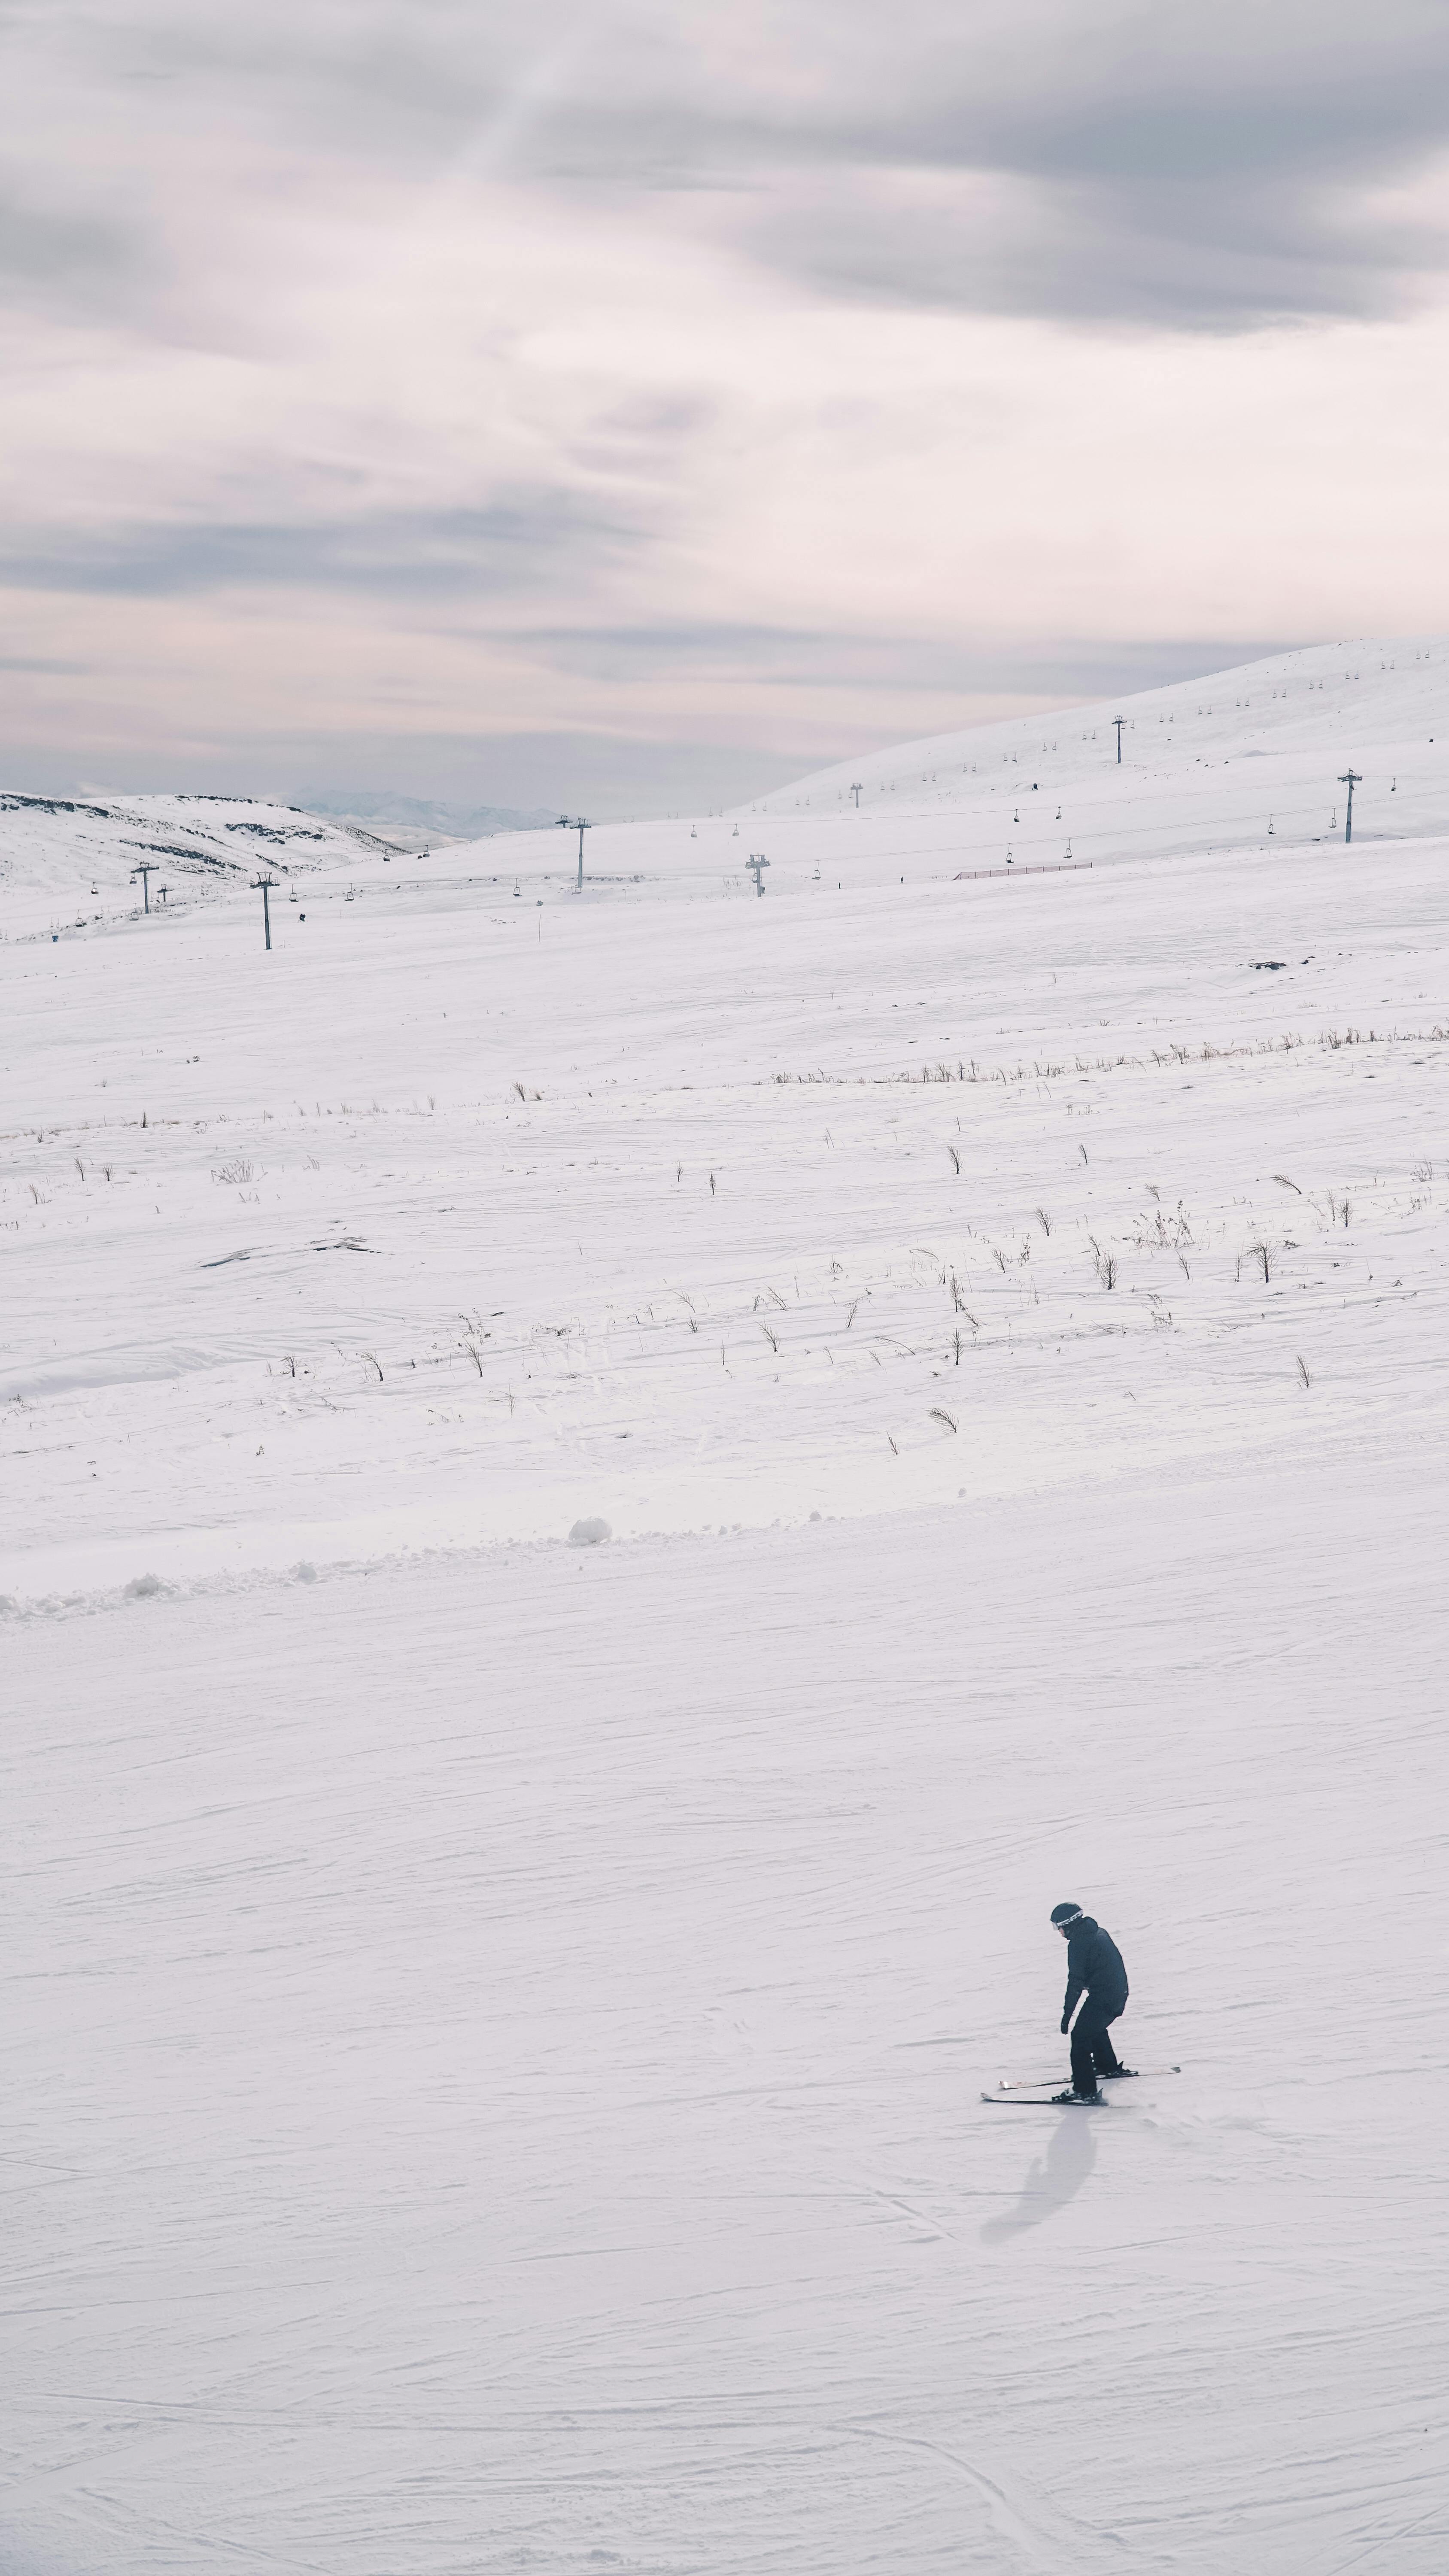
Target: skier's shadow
1054	2179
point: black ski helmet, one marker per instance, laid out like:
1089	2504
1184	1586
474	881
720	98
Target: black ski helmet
1062	1915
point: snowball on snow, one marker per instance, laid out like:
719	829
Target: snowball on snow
589	1533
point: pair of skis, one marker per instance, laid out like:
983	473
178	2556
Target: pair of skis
1037	2094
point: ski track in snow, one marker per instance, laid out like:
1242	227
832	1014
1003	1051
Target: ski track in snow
495	2028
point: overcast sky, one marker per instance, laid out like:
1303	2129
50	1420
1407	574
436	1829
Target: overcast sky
633	405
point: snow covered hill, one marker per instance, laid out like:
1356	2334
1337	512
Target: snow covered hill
1039	783
71	859
1244	761
497	2027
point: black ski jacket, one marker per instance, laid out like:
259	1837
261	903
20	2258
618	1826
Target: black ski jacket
1094	1969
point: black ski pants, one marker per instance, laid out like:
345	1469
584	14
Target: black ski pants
1092	2051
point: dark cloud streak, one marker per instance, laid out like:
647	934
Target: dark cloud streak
1090	171
811	657
515	545
62	259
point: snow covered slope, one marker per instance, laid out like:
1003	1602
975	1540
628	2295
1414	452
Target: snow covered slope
496	2026
1244	761
482	1211
1237	760
72	860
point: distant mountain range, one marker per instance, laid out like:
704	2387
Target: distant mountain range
423	814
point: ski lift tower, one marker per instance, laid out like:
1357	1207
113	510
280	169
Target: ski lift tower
1349	778
145	869
576	823
757	864
262	885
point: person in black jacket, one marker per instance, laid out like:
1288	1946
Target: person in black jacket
1094	1969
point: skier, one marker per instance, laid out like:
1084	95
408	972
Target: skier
1095	1969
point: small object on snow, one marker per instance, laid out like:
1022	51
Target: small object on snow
143	1587
302	1572
589	1533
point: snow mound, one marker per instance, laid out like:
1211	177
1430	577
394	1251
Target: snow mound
589	1533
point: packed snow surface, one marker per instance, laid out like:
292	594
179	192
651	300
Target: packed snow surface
498	2026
